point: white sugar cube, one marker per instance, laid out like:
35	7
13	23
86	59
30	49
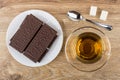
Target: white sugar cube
93	10
104	15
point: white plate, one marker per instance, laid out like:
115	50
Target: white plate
54	49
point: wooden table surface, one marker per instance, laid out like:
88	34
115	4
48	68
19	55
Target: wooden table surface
59	69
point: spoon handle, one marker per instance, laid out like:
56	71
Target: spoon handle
108	27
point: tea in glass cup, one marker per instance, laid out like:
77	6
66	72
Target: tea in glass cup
87	48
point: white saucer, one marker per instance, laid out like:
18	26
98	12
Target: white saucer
54	49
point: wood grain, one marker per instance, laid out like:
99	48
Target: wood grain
4	3
59	69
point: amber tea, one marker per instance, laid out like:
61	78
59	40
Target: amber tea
89	47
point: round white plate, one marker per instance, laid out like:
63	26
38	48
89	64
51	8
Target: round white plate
54	49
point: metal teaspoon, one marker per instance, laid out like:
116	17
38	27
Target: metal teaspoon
76	16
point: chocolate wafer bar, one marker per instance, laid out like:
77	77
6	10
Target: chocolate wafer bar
28	29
